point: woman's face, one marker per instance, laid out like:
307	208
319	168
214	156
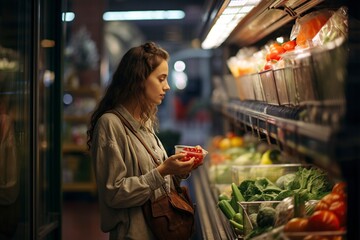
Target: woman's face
156	85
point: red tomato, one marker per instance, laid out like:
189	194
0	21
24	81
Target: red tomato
339	188
277	49
274	46
289	45
321	205
273	56
339	208
323	220
332	197
194	152
268	65
296	225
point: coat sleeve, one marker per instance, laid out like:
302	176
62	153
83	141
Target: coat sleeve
114	162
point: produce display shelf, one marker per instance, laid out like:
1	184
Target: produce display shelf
283	125
212	222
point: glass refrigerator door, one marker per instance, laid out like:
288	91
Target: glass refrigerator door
30	119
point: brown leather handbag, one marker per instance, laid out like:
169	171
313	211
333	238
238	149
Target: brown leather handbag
172	215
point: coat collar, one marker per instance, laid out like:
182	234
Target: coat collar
136	125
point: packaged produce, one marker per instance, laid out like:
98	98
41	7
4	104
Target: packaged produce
335	27
307	26
196	152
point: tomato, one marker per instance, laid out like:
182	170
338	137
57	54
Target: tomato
321	205
273	56
274	53
332	197
339	208
196	149
194	152
274	46
289	45
277	49
339	188
296	225
268	65
323	220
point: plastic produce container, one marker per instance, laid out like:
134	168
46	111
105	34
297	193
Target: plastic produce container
330	70
258	88
250	208
291	86
304	76
269	86
231	87
245	87
192	151
271	171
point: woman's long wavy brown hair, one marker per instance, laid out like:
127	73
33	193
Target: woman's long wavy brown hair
128	84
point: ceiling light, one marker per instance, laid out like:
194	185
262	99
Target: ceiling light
68	16
143	15
179	66
180	80
230	14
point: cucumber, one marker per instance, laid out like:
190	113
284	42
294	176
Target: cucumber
226	209
238	217
237	194
233	202
223	196
237	225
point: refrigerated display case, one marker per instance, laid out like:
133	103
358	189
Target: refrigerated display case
30	119
327	136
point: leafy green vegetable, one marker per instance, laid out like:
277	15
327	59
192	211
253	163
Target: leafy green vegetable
248	189
261	189
284	194
284	181
266	217
312	183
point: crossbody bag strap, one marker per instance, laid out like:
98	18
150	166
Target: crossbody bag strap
127	124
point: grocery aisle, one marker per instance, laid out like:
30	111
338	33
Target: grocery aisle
81	219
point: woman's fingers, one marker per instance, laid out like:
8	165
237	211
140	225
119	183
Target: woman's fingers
178	155
188	164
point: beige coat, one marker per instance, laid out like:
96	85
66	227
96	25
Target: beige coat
121	187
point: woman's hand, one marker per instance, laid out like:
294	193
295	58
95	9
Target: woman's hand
174	166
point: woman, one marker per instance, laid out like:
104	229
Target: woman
125	172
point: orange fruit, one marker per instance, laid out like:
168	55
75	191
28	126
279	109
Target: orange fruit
236	141
225	143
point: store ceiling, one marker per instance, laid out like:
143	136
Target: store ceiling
166	31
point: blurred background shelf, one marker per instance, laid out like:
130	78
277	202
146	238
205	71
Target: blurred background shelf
79	187
69	148
77	170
